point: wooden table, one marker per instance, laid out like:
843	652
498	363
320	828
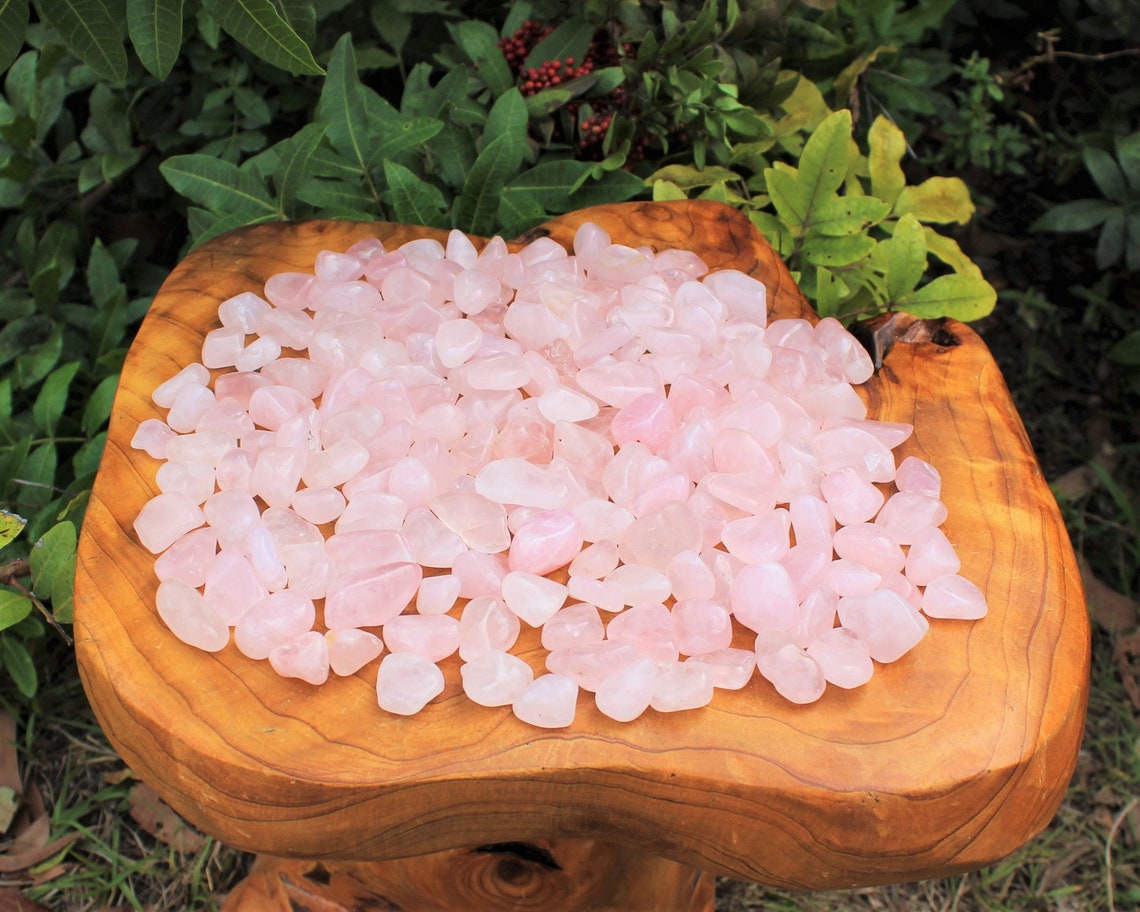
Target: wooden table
947	760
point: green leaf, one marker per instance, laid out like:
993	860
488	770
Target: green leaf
903	257
961	297
342	105
259	26
52	398
90	31
14	607
219	186
1126	350
11	524
519	212
16	658
480	42
548	183
570	39
823	162
835	252
52	562
937	199
291	170
848	215
97	410
612	187
477	207
13	24
155	29
414	201
1128	154
1105	172
411	134
887	145
336	197
1075	215
788	196
508	117
1110	244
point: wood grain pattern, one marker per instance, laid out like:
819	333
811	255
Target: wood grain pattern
946	760
588	876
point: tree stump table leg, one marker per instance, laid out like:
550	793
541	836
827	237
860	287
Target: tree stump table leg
560	875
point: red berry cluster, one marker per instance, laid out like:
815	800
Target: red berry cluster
551	73
602	52
517	46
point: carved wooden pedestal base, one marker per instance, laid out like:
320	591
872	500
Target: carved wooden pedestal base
565	875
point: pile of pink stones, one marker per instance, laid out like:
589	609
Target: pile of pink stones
420	437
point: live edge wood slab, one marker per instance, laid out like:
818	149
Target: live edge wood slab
949	759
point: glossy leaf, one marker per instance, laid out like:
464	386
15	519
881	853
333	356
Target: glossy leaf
18	662
941	200
1105	172
480	42
478	205
961	297
569	39
90	31
52	563
14	607
845	215
887	146
13	24
11	524
789	196
342	106
903	257
219	186
824	160
51	401
414	201
299	148
1075	215
259	26
155	30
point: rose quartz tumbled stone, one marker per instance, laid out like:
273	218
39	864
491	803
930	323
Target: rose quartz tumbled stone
953	596
406	682
495	678
190	617
626	694
305	657
351	648
546	541
550	701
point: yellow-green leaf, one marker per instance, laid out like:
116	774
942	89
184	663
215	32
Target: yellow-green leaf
887	145
848	215
903	257
11	524
937	199
824	160
961	297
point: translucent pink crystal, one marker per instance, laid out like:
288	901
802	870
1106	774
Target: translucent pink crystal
550	701
930	556
548	540
165	518
534	598
406	682
589	664
189	558
906	515
649	628
232	586
276	619
917	476
351	648
887	623
190	617
372	597
486	625
843	657
728	669
495	678
435	636
796	676
305	657
701	626
681	685
764	597
953	596
626	694
437	594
